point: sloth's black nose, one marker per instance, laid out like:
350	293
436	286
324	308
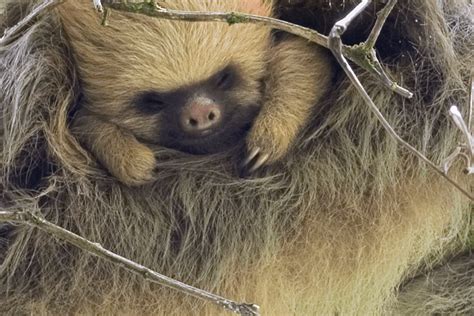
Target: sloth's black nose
200	117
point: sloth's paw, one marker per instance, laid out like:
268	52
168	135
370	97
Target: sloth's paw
134	166
266	143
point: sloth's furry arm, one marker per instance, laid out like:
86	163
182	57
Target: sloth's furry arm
117	150
299	75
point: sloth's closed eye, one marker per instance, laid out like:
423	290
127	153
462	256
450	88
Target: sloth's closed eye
150	102
226	78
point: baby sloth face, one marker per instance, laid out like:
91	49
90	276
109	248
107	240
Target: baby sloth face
195	87
203	117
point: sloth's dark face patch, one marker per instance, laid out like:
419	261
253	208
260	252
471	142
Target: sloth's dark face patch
206	117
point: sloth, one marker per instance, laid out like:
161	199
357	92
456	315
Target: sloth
201	86
341	220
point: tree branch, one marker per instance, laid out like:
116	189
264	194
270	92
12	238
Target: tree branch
36	220
335	44
363	58
369	51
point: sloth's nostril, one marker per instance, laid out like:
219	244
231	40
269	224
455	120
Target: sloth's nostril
193	122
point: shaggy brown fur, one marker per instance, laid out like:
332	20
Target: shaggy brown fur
446	290
334	227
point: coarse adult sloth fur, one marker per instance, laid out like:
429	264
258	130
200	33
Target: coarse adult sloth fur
336	226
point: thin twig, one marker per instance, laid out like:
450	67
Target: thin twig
382	16
36	220
372	56
366	51
471	102
15	30
369	45
465	149
335	44
150	8
98	6
462	126
344	23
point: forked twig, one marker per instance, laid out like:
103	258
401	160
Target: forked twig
466	149
335	44
37	221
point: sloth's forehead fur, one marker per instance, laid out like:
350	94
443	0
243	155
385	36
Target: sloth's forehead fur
141	53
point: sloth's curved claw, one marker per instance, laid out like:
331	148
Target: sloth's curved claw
255	159
261	159
251	156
